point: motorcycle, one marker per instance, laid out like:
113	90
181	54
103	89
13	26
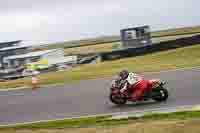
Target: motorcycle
156	91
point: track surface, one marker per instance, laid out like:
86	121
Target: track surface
90	98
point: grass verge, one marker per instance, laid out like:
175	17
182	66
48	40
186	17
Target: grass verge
104	123
172	59
108	47
116	38
104	47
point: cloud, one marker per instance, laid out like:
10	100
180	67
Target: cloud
74	19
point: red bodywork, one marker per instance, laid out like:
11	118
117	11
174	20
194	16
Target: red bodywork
143	85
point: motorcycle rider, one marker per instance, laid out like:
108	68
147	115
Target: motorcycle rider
133	84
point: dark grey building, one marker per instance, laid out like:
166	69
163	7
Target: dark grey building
9	44
11	48
136	37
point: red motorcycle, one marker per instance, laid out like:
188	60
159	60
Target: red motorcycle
155	91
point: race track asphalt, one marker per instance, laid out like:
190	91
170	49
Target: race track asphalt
91	98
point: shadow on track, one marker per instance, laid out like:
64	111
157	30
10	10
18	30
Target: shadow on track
137	105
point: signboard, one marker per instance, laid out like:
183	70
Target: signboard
136	37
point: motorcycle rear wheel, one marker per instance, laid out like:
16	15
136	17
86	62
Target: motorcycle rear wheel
163	95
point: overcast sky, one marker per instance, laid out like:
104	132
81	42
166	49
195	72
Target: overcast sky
62	20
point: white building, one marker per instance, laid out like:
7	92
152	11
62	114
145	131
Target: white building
54	56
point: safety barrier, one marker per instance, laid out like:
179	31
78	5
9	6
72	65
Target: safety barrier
162	46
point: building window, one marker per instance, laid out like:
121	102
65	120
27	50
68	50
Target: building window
34	59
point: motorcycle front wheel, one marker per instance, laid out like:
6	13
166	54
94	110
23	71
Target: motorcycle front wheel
118	99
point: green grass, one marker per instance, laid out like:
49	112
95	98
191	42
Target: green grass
176	115
170	38
176	31
104	47
106	43
71	123
108	47
172	59
104	121
116	38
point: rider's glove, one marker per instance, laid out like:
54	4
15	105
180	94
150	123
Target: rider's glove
123	89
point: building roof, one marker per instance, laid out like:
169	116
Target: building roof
28	55
12	48
11	42
60	60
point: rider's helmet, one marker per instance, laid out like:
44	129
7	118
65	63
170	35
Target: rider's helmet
124	74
